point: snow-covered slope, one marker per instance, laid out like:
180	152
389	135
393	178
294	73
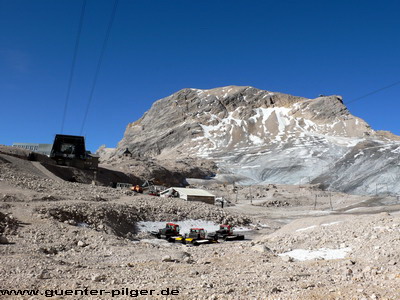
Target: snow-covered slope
258	136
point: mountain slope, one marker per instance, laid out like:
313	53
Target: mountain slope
258	136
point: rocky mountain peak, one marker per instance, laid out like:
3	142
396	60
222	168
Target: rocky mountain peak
255	135
240	115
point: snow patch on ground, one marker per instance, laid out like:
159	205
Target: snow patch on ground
332	223
306	228
255	139
344	141
282	117
323	253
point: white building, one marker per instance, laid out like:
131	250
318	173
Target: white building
189	194
34	147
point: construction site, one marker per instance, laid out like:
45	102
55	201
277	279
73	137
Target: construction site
280	242
210	188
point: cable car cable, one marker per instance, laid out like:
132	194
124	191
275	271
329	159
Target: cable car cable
99	64
373	92
71	75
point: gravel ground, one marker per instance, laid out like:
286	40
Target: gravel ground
62	235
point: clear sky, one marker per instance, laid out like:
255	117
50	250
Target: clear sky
156	48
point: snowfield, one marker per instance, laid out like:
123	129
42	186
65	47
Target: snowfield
323	253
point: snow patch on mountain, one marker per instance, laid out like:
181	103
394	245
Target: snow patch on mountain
258	136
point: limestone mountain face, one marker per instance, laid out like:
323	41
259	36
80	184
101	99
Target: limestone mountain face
257	136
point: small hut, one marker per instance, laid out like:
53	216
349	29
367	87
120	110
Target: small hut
127	153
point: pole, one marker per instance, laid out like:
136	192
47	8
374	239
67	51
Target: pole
251	197
94	178
315	202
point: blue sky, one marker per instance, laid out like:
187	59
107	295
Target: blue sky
156	48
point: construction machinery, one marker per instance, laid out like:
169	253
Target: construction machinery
147	187
150	188
196	236
226	233
69	150
137	189
170	232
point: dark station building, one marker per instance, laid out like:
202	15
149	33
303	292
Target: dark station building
69	150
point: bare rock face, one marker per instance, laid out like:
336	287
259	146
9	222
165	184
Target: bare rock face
257	136
219	119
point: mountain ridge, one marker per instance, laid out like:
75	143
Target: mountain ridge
258	136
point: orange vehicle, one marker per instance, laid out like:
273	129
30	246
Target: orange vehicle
137	188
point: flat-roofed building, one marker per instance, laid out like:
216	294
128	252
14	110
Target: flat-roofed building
35	147
189	194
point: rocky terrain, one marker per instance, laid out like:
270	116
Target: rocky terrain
312	187
168	172
258	137
303	243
